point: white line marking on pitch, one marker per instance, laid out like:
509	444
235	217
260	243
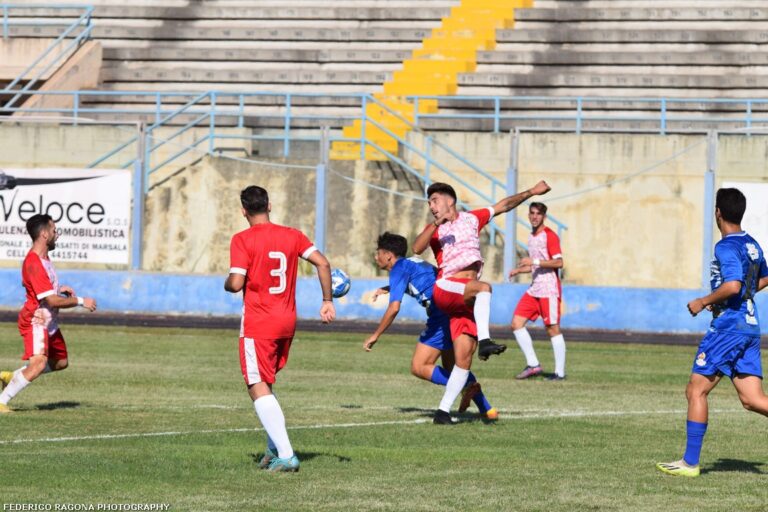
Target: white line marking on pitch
556	414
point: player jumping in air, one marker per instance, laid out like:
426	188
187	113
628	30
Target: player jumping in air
44	345
263	264
416	277
731	347
542	299
455	240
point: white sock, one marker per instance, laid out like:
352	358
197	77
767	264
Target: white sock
483	315
456	383
18	382
271	416
558	347
525	342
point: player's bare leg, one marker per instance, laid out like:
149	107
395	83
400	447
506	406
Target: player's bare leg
750	390
463	348
697	391
272	419
424	359
477	295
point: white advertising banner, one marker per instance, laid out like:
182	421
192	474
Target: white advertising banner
91	209
755	221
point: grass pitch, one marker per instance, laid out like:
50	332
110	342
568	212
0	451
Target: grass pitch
162	416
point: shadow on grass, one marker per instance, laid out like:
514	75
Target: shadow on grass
463	417
57	405
739	466
307	456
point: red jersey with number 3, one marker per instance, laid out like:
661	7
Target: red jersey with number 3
268	256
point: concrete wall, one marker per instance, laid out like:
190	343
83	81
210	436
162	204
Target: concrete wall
16	54
584	307
643	230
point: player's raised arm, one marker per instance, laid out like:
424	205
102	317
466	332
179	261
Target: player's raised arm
327	310
512	202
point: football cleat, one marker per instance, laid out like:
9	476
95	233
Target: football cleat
4	409
5	379
528	372
469	392
556	377
289	464
268	456
487	348
678	468
443	418
492	414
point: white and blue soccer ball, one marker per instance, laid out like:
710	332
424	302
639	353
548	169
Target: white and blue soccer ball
340	283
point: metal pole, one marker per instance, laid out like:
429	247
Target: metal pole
137	215
709	207
510	224
320	186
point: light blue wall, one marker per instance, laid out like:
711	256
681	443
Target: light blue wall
631	309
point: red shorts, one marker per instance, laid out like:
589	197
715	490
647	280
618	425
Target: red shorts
260	360
547	308
448	296
37	342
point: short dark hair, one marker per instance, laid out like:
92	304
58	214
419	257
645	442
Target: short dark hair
732	204
441	188
393	243
254	200
37	223
539	206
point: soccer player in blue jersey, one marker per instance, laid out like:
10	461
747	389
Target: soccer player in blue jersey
731	347
416	277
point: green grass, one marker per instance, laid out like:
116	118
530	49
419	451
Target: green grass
589	443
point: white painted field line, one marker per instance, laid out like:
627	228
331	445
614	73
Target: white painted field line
553	414
211	431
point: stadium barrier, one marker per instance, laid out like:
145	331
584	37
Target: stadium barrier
584	307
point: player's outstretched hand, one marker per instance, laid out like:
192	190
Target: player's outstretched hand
89	304
695	307
525	262
327	312
540	188
66	291
513	273
369	342
379	291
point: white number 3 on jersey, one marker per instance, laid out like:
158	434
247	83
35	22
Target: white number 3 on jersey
279	272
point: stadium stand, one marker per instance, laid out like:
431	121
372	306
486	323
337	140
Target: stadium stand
620	52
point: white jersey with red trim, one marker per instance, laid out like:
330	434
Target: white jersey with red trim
545	246
456	244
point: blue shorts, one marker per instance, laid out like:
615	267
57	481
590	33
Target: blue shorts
728	353
437	333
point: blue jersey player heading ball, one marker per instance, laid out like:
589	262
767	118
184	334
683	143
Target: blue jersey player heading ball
731	346
416	277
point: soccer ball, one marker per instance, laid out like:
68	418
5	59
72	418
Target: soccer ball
340	283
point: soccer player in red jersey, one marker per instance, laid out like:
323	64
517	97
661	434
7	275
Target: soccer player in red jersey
454	238
44	345
264	261
543	298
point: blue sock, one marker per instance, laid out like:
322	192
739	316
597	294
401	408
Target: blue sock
440	376
696	433
480	401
